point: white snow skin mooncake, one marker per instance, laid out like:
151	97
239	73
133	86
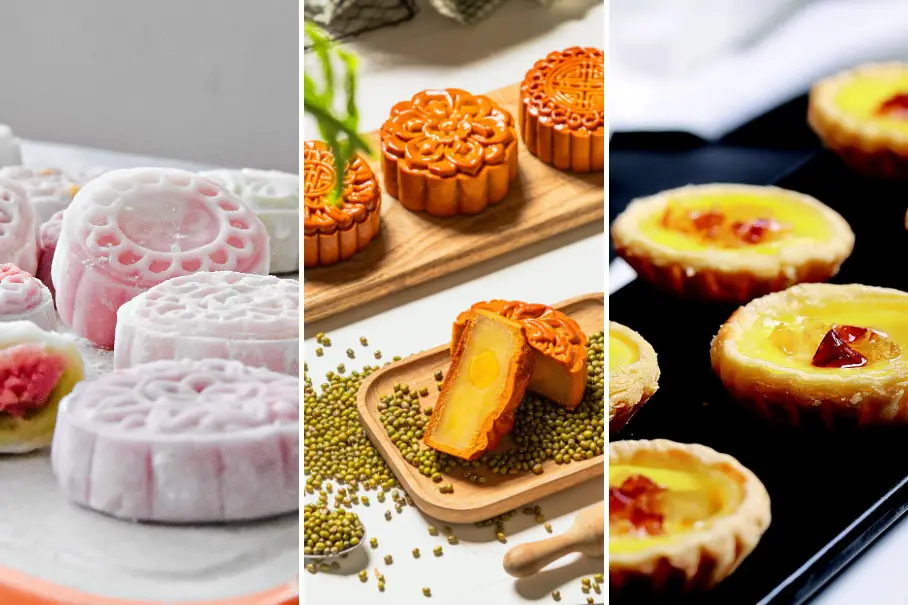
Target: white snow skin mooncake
37	369
186	441
18	228
128	230
275	197
24	298
250	318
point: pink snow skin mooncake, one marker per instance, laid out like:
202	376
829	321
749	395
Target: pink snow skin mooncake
128	230
49	190
48	234
18	228
181	442
250	318
24	298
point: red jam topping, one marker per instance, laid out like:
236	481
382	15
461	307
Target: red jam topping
853	347
719	229
634	506
895	106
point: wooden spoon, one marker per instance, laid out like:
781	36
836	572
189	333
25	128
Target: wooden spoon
586	535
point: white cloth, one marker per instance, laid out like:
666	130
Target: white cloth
713	70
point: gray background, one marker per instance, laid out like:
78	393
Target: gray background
211	81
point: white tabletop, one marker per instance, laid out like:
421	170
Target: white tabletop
434	52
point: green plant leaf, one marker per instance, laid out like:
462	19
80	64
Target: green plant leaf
340	131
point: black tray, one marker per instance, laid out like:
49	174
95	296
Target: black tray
831	495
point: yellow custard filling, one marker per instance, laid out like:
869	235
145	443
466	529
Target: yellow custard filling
622	351
885	313
863	96
692	497
798	220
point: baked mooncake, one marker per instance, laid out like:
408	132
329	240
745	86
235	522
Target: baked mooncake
562	109
334	232
448	152
486	382
558	343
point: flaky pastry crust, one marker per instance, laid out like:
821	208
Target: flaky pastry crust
865	146
697	559
728	276
630	386
800	396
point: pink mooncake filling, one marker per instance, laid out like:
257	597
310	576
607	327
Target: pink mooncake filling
129	230
28	375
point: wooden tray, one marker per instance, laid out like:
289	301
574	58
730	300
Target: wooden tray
472	502
414	247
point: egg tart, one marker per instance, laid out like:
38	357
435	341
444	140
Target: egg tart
334	232
558	343
819	354
682	517
633	374
731	243
862	115
448	152
562	109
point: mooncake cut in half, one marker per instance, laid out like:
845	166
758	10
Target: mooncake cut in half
862	115
254	319
819	355
633	374
558	343
336	230
682	517
189	441
727	243
24	298
562	109
487	379
448	152
37	369
128	230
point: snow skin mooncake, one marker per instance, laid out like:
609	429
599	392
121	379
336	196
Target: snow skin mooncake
18	228
250	318
128	230
181	442
275	197
49	190
37	369
48	234
24	298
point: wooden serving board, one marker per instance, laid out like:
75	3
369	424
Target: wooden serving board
414	247
472	502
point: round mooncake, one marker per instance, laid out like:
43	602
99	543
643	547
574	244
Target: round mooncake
250	318
24	298
129	230
181	442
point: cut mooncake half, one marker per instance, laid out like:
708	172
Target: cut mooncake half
558	343
486	382
37	369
